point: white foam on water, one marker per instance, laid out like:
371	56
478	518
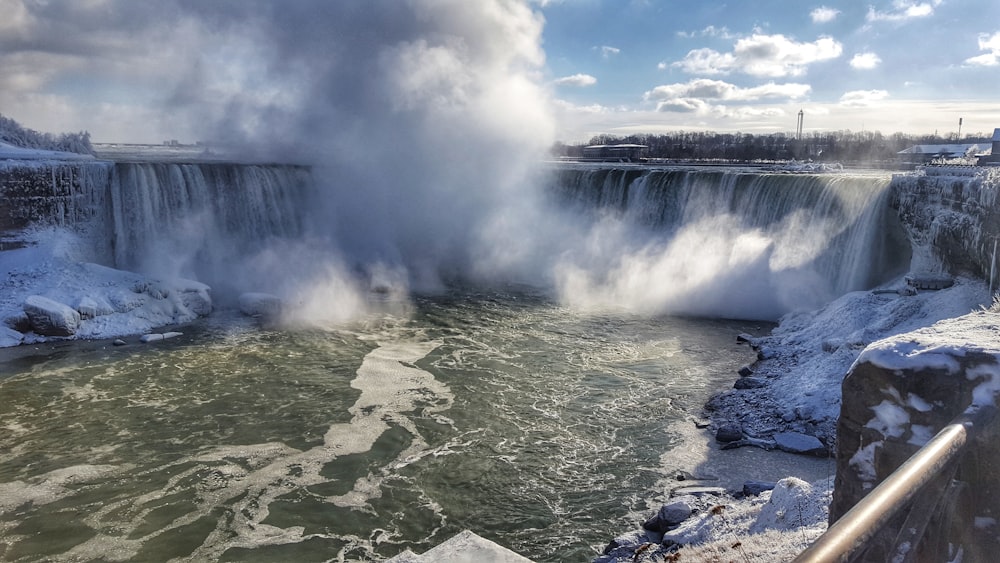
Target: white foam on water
248	478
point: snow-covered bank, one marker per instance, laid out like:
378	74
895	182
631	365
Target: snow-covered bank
96	301
796	383
11	152
803	363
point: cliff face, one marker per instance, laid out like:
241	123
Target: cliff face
952	216
896	397
41	193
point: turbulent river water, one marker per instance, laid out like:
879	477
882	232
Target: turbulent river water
498	411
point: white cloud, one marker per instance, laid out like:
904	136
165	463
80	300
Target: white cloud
862	98
718	90
990	43
608	51
568	106
709	97
903	10
709	31
578	80
761	55
824	14
865	61
685	105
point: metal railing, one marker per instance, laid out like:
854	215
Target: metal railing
930	470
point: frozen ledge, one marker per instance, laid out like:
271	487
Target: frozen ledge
461	548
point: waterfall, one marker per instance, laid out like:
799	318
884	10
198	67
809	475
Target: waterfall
197	220
785	240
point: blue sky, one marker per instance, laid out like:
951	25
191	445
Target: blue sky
889	65
135	71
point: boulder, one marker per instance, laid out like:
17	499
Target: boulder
755	488
745	371
51	318
729	432
669	516
90	308
749	383
18	321
153	337
197	298
260	304
9	337
793	442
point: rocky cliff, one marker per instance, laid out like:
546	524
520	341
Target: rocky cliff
952	217
51	192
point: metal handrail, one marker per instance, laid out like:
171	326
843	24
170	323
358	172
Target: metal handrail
852	533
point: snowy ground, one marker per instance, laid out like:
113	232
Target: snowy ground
8	151
807	357
809	353
111	302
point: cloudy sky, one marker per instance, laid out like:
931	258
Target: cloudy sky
133	71
889	65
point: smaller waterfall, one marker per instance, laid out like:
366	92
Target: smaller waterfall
729	242
198	220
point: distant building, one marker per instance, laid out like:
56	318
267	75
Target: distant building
615	153
923	154
993	158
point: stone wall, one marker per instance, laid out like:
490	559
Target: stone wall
51	193
897	396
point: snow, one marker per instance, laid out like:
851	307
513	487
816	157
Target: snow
11	152
809	353
777	525
890	419
111	303
806	358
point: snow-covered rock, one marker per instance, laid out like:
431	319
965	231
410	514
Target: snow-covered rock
48	292
9	337
51	318
793	504
263	304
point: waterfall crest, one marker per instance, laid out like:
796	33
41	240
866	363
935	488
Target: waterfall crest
196	220
765	243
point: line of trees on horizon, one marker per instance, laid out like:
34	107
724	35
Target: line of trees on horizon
832	146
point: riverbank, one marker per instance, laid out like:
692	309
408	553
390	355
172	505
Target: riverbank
796	389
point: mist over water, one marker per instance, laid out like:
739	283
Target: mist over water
423	124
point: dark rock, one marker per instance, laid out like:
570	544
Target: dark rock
729	432
119	342
744	338
749	383
748	441
19	322
745	371
766	353
754	488
793	442
668	517
51	318
261	304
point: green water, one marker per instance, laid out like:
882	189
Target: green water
533	425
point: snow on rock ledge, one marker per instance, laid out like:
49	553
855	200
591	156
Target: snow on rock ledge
904	389
46	294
